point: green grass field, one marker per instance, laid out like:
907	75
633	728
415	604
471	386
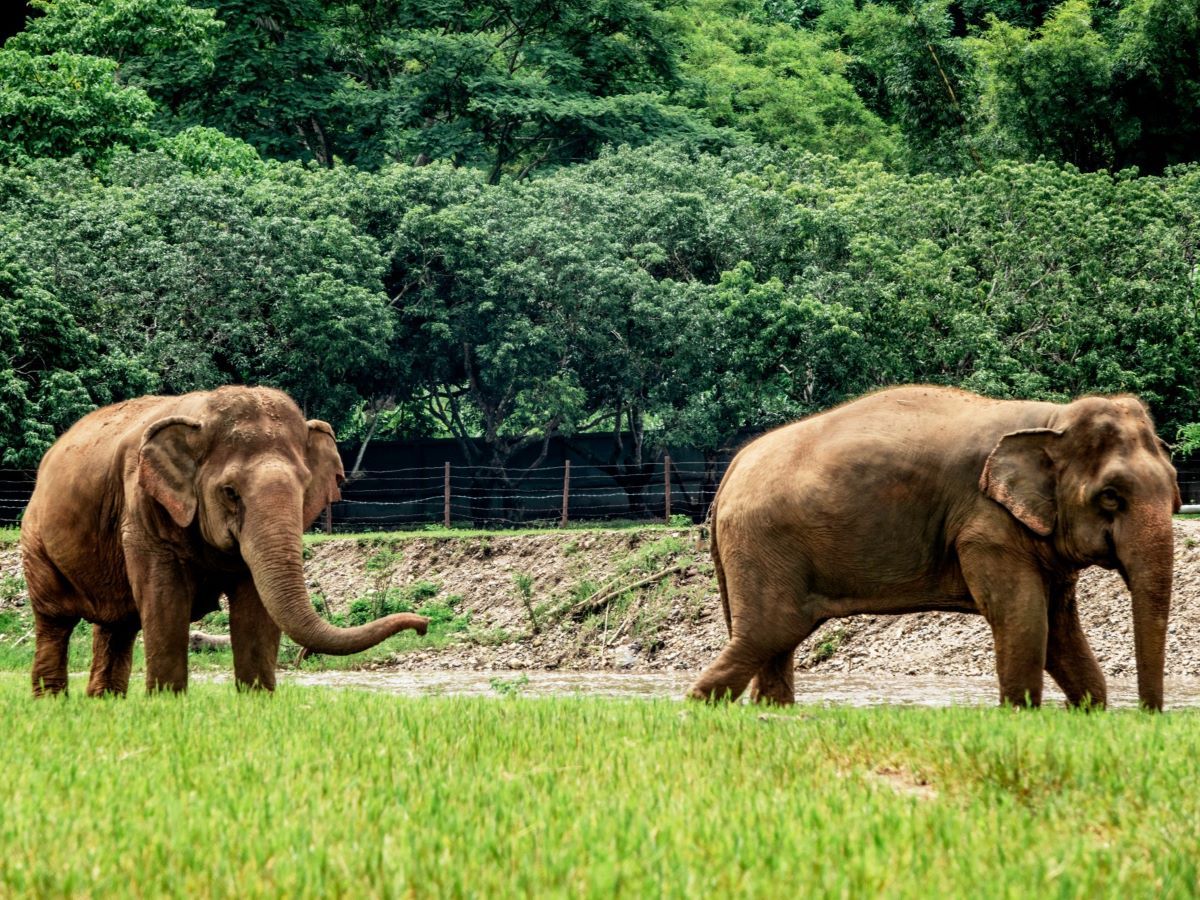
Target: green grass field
315	792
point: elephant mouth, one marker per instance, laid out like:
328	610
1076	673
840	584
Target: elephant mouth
1113	561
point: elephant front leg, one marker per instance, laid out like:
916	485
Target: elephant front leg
112	658
164	592
1069	658
1012	595
255	638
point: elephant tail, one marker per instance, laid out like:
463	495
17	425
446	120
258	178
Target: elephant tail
720	570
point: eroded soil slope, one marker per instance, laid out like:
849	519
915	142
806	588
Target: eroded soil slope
647	600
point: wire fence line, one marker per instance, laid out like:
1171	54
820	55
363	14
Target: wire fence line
485	496
663	490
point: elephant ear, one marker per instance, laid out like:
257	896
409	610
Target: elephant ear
1020	475
1165	449
167	463
325	464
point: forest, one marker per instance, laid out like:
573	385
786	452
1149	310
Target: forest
668	220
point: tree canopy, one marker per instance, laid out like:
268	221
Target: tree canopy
668	221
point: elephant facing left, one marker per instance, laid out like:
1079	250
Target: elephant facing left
144	513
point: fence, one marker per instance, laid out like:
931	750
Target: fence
548	495
459	495
456	494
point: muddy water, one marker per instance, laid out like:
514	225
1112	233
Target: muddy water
845	690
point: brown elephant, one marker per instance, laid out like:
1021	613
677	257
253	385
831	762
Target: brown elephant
145	512
925	498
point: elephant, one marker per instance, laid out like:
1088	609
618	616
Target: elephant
145	512
921	498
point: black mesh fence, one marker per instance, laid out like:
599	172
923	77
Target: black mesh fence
549	494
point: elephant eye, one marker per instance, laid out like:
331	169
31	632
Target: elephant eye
230	493
1109	500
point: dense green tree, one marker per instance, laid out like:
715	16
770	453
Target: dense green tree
53	367
916	73
1156	74
183	275
1024	281
1051	94
777	83
271	83
66	103
510	86
164	47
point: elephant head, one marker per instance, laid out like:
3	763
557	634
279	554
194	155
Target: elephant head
251	474
1098	485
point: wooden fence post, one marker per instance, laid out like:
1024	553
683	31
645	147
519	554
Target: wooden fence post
329	518
667	488
446	498
566	490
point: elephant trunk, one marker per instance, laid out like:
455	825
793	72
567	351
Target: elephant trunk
1147	563
271	547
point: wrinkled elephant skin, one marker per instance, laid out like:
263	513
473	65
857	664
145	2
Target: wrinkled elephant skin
146	512
925	498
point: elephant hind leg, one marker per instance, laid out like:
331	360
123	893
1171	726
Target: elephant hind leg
53	636
726	677
775	682
112	658
762	651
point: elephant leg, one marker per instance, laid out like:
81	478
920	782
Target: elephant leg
112	658
164	592
776	680
726	677
255	638
1069	658
762	648
1013	597
53	637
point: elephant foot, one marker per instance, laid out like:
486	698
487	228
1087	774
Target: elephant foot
711	695
49	687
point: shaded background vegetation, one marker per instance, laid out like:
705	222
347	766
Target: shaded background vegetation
665	220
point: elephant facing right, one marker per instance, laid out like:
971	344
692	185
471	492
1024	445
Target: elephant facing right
924	498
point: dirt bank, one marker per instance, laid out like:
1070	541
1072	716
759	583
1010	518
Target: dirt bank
572	584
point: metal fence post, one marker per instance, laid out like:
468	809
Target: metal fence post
329	518
667	488
446	498
566	490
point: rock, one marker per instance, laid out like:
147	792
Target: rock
625	657
199	642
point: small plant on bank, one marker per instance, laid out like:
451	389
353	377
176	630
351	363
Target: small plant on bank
828	646
489	637
11	587
654	557
443	615
524	584
509	687
215	621
382	560
584	590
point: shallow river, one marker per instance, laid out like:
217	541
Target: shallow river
848	690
